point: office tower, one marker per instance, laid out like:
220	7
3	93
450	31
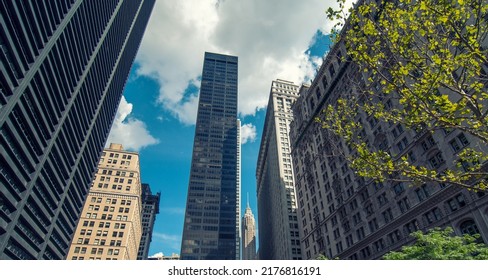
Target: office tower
248	235
64	66
150	207
346	216
110	224
211	227
277	206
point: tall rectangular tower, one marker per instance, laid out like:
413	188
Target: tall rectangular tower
110	225
277	203
64	66
211	227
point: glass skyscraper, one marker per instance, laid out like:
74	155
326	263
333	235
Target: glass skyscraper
63	65
211	227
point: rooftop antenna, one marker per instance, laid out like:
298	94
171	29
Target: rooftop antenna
248	200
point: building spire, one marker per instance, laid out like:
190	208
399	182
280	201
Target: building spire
248	201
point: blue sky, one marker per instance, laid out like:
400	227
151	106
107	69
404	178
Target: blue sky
277	39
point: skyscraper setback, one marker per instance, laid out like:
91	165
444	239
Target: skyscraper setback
212	219
64	66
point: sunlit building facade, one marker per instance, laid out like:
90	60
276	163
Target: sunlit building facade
110	227
64	66
248	235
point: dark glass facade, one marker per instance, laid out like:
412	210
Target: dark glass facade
150	208
64	65
211	226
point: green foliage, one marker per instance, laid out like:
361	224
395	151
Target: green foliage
420	64
438	244
321	257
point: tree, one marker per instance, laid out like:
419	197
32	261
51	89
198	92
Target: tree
438	244
423	65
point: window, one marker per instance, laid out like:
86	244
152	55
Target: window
353	205
373	225
402	144
382	199
379	245
404	204
457	202
411	156
349	240
397	130
469	227
369	209
436	160
411	227
459	142
364	195
356	218
455	145
317	93
337	233
428	143
331	71
433	215
398	188
422	192
339	247
365	253
324	82
387	215
360	233
394	237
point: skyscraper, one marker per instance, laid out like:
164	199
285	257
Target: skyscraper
277	204
64	66
110	225
150	207
248	235
211	227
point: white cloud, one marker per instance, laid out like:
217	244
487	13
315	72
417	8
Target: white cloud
171	241
157	255
269	37
166	237
248	133
130	132
173	210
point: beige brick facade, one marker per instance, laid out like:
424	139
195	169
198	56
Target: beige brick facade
110	224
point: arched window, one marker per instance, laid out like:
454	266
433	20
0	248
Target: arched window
469	227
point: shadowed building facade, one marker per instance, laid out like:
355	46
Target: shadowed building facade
212	218
150	208
64	66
